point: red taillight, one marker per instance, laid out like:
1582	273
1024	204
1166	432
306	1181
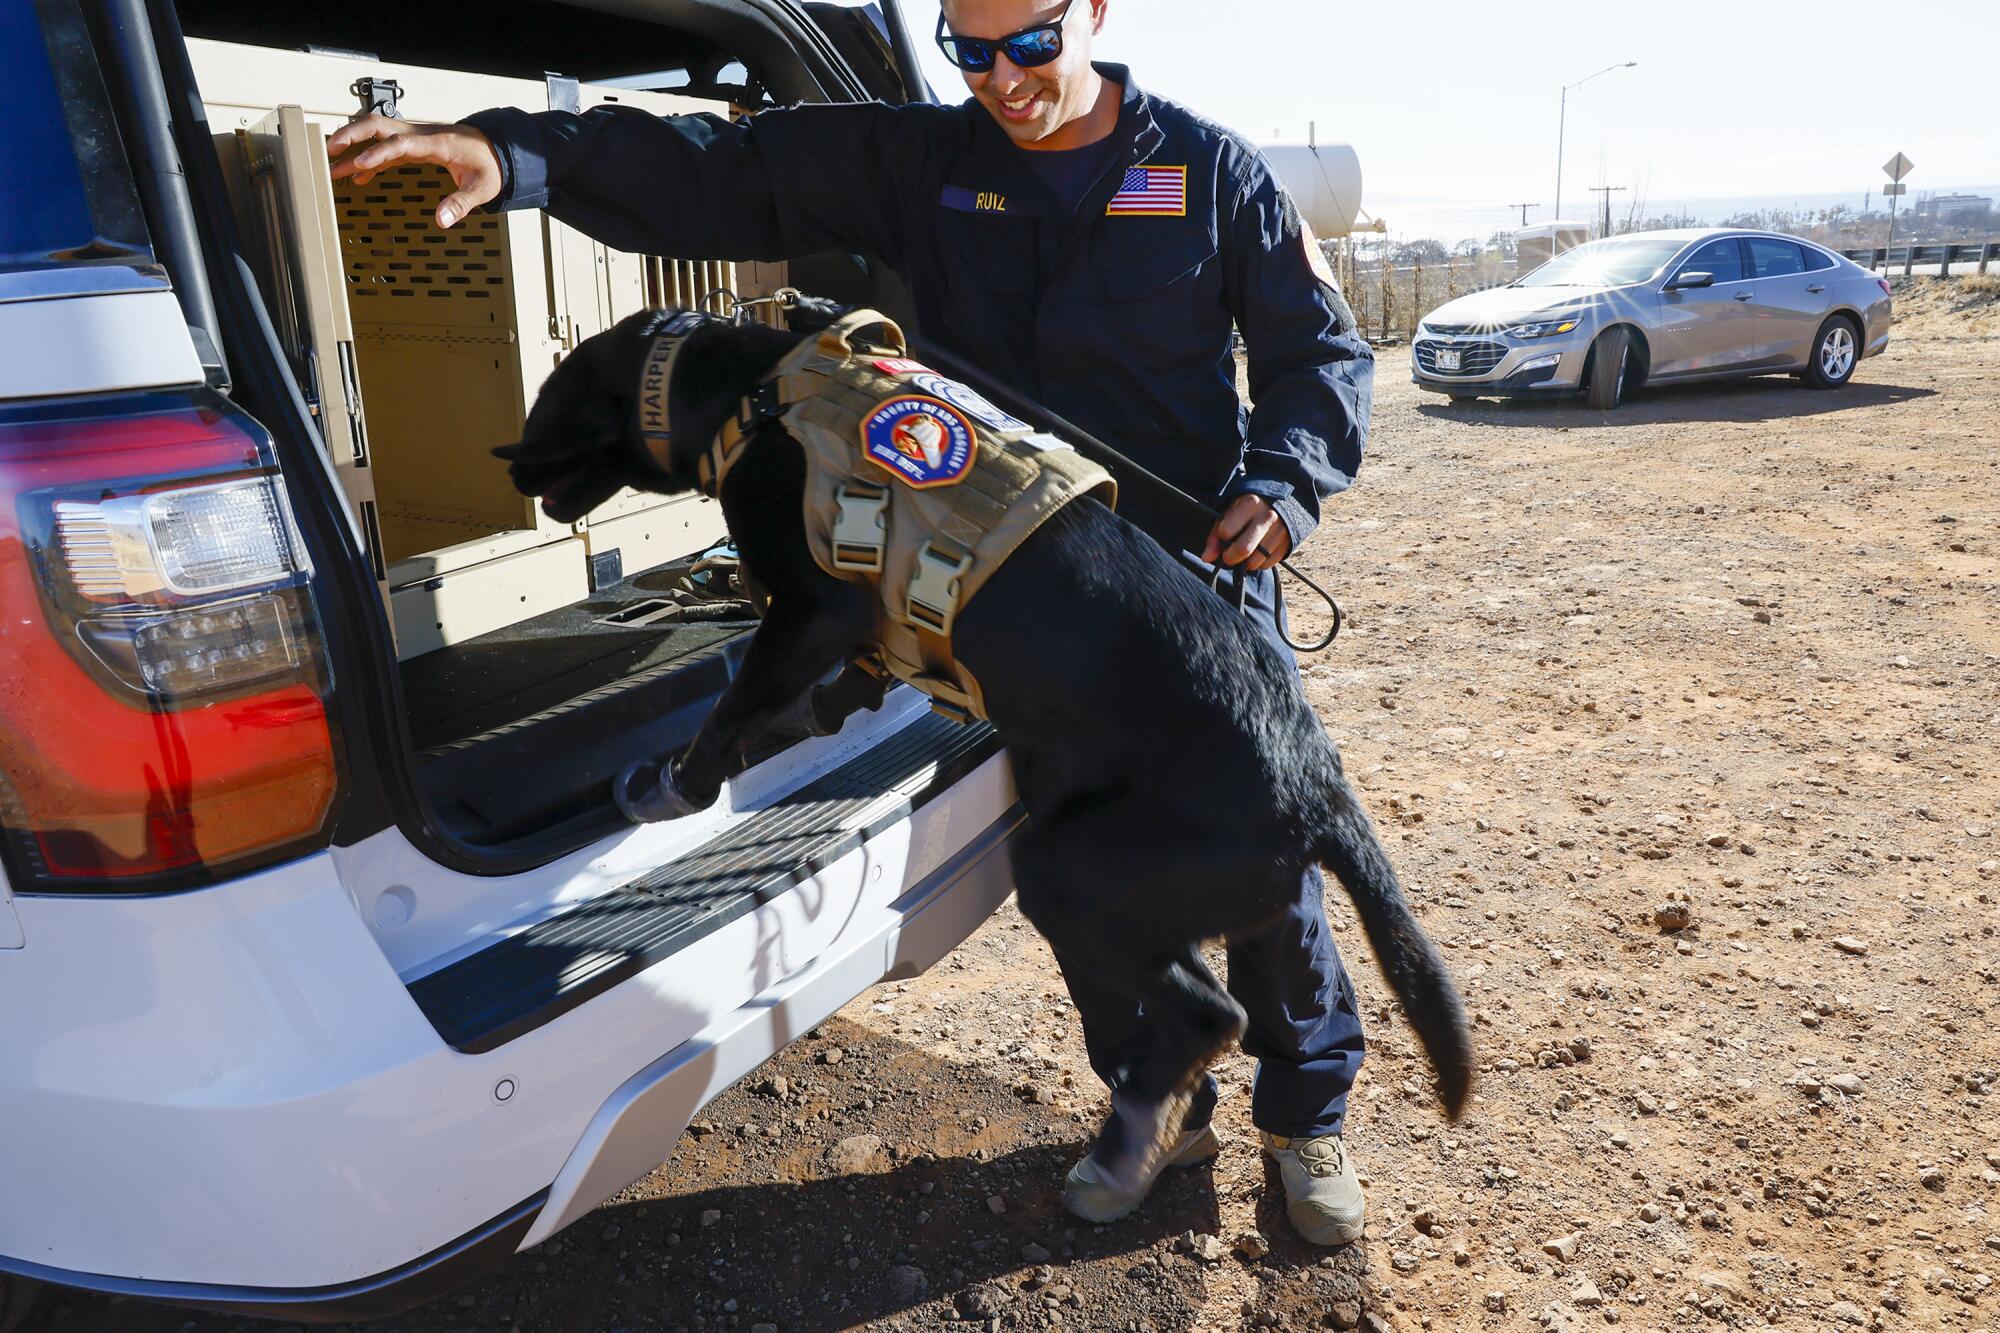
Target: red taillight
1883	283
161	713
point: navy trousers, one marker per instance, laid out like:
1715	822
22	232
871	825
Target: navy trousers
1305	1031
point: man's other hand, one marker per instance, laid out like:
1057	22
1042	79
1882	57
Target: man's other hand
461	150
1249	534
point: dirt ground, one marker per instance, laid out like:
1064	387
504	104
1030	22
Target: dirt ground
1726	656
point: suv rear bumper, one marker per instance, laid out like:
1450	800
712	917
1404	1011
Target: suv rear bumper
433	1275
239	1104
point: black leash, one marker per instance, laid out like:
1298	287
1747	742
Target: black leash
1332	608
1192	513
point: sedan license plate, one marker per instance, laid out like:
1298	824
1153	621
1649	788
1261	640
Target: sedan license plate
1448	358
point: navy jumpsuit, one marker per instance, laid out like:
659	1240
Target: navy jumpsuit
1117	314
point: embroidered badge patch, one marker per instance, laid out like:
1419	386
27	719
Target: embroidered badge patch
969	401
922	441
1150	192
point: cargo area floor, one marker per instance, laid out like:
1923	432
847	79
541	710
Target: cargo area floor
497	680
520	732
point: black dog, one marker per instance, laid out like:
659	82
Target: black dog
1176	780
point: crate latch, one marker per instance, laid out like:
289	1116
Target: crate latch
377	95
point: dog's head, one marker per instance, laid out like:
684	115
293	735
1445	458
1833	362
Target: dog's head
695	371
699	370
639	404
682	373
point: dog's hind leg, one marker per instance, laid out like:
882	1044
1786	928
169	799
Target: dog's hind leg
1196	1022
1200	1019
1188	1017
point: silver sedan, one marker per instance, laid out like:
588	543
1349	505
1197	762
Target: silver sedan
1658	307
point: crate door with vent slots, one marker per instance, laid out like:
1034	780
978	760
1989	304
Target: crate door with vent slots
286	156
434	321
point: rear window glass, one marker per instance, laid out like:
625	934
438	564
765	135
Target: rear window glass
68	193
1774	259
1816	259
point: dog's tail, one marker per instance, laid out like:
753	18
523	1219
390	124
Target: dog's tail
1349	848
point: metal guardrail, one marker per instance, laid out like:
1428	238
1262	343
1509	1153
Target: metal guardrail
1944	256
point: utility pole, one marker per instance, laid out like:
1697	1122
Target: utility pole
1524	210
1562	122
1607	191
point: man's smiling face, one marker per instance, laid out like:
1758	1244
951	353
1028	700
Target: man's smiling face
1032	105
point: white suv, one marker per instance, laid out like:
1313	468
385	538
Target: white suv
331	975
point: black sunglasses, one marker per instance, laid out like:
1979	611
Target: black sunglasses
1027	48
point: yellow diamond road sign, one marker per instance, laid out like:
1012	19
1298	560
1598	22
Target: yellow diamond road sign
1898	167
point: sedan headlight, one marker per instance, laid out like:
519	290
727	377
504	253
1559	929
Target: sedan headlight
1544	328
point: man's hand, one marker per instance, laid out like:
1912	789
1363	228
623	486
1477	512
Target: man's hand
1249	534
461	150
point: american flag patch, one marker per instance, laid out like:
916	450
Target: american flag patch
1150	192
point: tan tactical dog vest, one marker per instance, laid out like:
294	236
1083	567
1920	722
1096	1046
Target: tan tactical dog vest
914	484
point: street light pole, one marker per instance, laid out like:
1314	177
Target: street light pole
1562	122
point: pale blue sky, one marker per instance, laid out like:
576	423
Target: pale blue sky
1451	103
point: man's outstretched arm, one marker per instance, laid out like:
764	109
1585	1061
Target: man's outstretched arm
772	186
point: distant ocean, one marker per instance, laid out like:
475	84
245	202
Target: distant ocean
1414	217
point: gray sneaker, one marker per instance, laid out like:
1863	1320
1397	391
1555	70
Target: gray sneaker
1093	1195
1322	1196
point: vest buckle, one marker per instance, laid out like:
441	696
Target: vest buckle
952	708
860	529
762	404
933	596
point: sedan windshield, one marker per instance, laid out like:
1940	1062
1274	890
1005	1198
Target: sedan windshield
1613	263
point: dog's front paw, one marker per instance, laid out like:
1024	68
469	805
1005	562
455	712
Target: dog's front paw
651	791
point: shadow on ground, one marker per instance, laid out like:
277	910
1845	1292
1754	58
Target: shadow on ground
856	1193
1767	398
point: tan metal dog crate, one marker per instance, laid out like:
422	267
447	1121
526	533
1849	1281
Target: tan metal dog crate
420	349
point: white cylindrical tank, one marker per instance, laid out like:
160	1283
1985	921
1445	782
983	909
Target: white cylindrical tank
1324	180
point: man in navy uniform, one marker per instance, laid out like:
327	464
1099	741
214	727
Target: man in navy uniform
1093	246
